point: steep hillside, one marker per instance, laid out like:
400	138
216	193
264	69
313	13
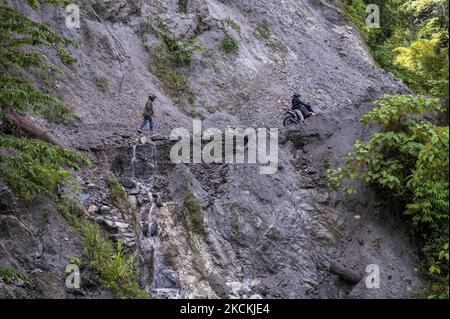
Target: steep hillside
273	236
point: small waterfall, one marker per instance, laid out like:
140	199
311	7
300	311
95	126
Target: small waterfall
133	159
144	166
152	162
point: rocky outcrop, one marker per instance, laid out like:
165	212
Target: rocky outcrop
38	243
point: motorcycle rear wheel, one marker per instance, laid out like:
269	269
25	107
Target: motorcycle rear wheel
289	120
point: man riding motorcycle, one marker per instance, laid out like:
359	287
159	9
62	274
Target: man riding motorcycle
302	109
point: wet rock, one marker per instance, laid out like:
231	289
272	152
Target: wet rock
153	229
168	279
84	197
145	229
105	209
140	200
134	191
122	225
218	285
108	224
127	182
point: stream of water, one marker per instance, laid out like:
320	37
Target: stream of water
158	283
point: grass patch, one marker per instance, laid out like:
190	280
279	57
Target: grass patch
277	46
171	59
263	30
195	213
174	80
376	241
65	57
326	163
11	276
117	270
101	83
233	25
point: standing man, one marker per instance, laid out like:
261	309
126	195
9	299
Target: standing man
148	113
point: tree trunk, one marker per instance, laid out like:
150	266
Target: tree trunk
33	130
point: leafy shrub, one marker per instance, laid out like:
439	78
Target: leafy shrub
22	96
66	57
32	167
181	52
195	213
75	261
117	270
175	80
230	45
408	163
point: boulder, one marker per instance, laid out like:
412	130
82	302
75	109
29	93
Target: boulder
345	273
128	182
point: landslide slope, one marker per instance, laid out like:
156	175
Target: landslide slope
271	235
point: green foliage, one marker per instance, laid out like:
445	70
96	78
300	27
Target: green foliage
233	25
435	252
101	83
264	30
376	241
181	52
412	42
230	45
174	80
17	34
66	57
421	64
75	261
33	167
22	96
11	276
117	270
171	59
118	197
408	163
195	213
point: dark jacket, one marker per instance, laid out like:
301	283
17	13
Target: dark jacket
148	110
297	104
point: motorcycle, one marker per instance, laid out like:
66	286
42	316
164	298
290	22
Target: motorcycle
291	118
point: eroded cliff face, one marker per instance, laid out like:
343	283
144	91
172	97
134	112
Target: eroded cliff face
270	236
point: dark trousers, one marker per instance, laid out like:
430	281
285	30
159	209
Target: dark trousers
147	119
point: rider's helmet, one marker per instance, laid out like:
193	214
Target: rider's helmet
152	97
296	95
